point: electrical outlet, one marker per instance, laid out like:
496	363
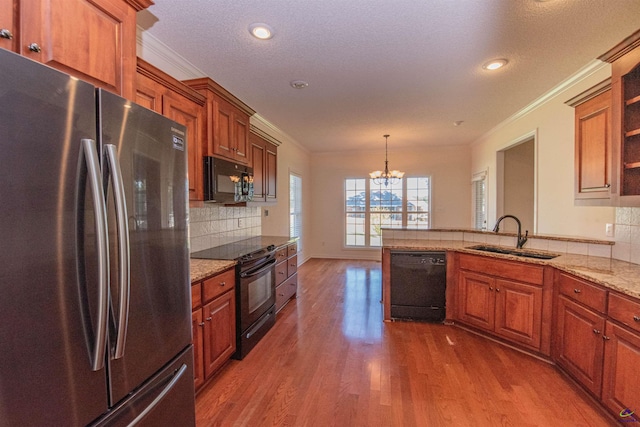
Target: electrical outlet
608	230
240	222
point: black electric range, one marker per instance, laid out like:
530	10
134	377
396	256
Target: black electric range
242	248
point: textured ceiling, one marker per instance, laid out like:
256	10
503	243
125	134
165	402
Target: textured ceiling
409	68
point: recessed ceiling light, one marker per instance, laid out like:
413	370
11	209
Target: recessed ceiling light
299	84
261	31
494	64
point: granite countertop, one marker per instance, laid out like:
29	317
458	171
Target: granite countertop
618	275
202	268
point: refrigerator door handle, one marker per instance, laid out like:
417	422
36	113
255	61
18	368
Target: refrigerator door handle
176	377
124	276
90	154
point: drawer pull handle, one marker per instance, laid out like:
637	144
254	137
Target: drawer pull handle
280	272
281	295
223	283
577	291
636	318
595	331
6	34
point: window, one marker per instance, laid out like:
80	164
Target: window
370	207
295	208
479	190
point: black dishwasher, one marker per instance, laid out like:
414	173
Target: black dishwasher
418	284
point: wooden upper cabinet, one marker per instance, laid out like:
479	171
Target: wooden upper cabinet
94	40
163	94
8	27
227	122
263	158
625	117
593	149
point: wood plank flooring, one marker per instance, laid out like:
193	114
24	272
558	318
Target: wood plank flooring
331	361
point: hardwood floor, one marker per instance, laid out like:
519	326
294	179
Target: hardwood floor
331	361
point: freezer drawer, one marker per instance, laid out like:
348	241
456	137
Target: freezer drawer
167	399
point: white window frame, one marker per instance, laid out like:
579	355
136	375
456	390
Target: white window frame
478	204
295	207
368	212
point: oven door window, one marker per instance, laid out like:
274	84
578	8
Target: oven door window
260	291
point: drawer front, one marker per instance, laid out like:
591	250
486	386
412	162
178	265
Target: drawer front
285	291
218	284
292	265
281	254
281	272
625	310
582	292
292	249
196	295
521	272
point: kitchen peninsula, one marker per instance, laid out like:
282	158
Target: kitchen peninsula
580	310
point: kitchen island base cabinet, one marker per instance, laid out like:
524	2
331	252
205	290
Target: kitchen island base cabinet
504	298
579	344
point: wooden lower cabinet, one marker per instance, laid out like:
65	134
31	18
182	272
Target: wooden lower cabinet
213	324
504	306
578	344
219	331
621	378
286	274
197	327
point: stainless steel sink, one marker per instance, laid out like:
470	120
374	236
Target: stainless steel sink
515	252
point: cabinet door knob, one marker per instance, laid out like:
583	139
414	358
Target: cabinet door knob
595	331
636	318
490	288
497	289
208	319
35	47
606	338
5	34
201	324
576	291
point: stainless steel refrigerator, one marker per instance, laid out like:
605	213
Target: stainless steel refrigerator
95	313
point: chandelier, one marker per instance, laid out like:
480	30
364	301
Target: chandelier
385	177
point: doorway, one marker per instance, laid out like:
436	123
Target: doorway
516	184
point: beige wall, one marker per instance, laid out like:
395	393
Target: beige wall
552	124
519	186
292	158
451	191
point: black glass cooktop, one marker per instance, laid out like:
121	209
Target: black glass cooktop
235	250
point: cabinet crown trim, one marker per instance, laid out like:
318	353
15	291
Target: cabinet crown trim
139	5
264	135
146	69
590	93
207	83
622	48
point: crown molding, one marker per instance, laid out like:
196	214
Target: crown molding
155	52
591	68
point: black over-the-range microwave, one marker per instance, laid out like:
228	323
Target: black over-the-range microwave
227	182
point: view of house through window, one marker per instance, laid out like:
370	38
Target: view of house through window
370	207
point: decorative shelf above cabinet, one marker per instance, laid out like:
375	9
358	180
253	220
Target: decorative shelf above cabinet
625	114
227	124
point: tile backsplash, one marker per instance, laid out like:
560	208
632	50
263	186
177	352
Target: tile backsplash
214	225
627	235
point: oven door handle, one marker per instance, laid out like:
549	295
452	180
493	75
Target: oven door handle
262	268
